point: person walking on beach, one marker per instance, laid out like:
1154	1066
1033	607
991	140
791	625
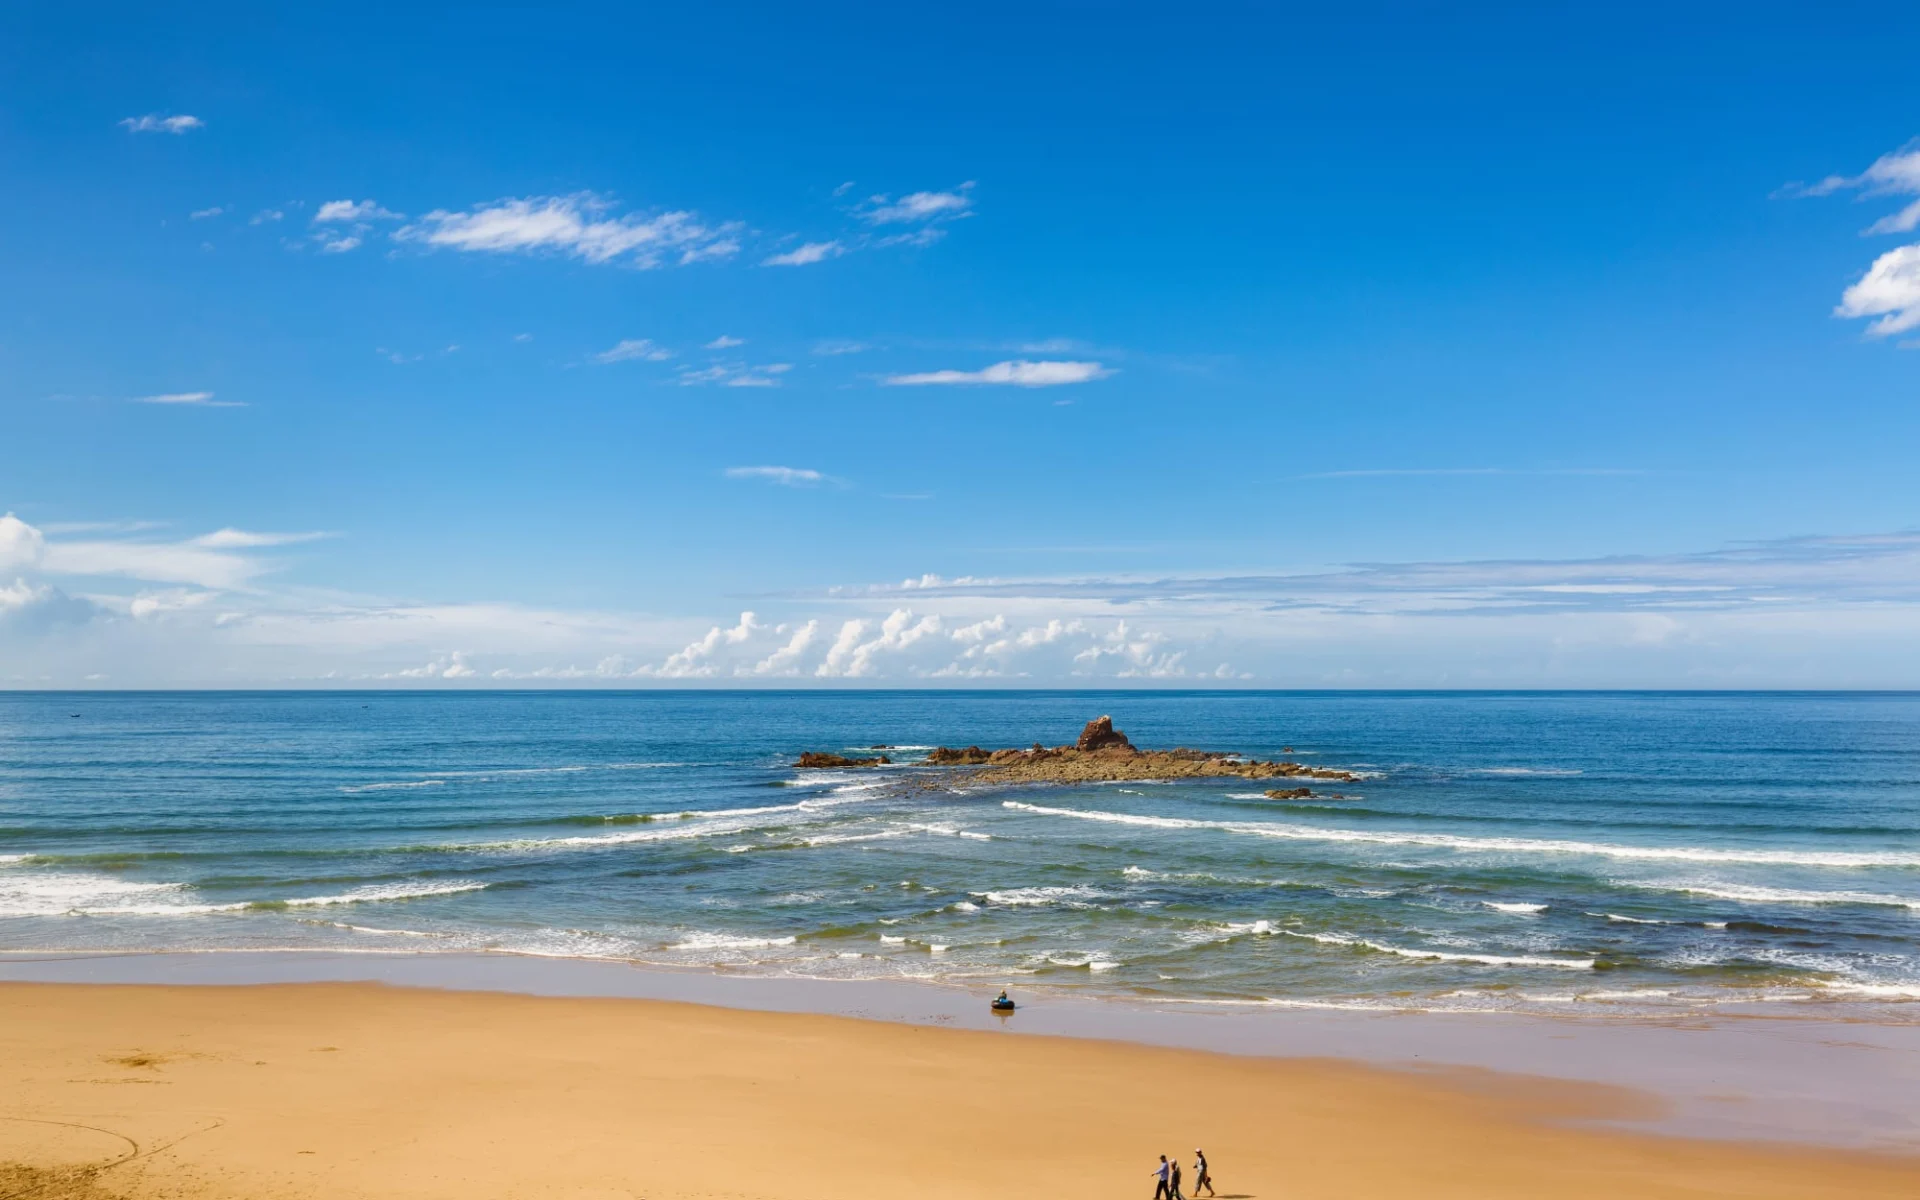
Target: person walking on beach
1173	1185
1201	1179
1161	1190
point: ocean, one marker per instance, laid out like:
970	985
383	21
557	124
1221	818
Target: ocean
1600	853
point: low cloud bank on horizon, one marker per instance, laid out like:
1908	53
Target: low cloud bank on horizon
126	606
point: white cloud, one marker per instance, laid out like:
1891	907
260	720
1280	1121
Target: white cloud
581	226
1020	373
338	244
266	216
1893	174
631	349
242	539
211	560
696	660
450	666
155	123
724	342
784	476
734	374
21	545
191	399
836	346
340	211
811	252
202	214
786	660
1890	290
918	206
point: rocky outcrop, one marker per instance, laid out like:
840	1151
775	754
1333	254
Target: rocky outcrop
812	759
1099	735
1103	754
970	756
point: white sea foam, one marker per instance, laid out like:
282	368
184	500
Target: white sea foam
1546	772
728	941
1514	906
1633	920
964	906
60	895
1879	991
396	786
1036	896
1258	928
375	893
1491	960
1760	895
1817	858
890	940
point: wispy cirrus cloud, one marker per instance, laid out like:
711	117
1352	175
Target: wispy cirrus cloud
1893	174
724	342
805	255
917	207
784	476
1018	373
189	400
335	211
734	374
585	226
1387	472
633	350
156	123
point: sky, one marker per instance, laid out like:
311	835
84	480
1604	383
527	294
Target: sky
1378	345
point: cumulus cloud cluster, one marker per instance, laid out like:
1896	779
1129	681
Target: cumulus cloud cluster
145	607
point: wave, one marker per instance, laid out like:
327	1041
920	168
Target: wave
728	941
1446	841
1491	960
65	895
1543	772
1759	895
440	778
1514	906
1032	897
373	894
1884	991
1630	920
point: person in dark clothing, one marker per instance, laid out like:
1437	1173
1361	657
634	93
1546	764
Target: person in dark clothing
1201	1177
1173	1185
1161	1174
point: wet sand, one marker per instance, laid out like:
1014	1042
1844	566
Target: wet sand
307	1090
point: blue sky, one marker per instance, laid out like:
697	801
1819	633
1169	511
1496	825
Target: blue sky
1264	346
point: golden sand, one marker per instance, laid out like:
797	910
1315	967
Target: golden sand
354	1090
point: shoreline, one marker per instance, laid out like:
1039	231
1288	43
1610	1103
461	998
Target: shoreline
287	1091
1764	1078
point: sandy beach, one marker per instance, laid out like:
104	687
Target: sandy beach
367	1090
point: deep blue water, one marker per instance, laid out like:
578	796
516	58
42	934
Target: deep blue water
1610	852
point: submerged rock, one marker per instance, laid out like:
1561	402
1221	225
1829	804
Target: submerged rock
1290	794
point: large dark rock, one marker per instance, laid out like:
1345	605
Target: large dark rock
1101	735
814	759
970	756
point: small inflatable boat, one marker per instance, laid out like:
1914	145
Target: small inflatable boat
1002	1004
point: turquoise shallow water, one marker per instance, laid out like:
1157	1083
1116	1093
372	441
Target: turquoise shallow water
1561	852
